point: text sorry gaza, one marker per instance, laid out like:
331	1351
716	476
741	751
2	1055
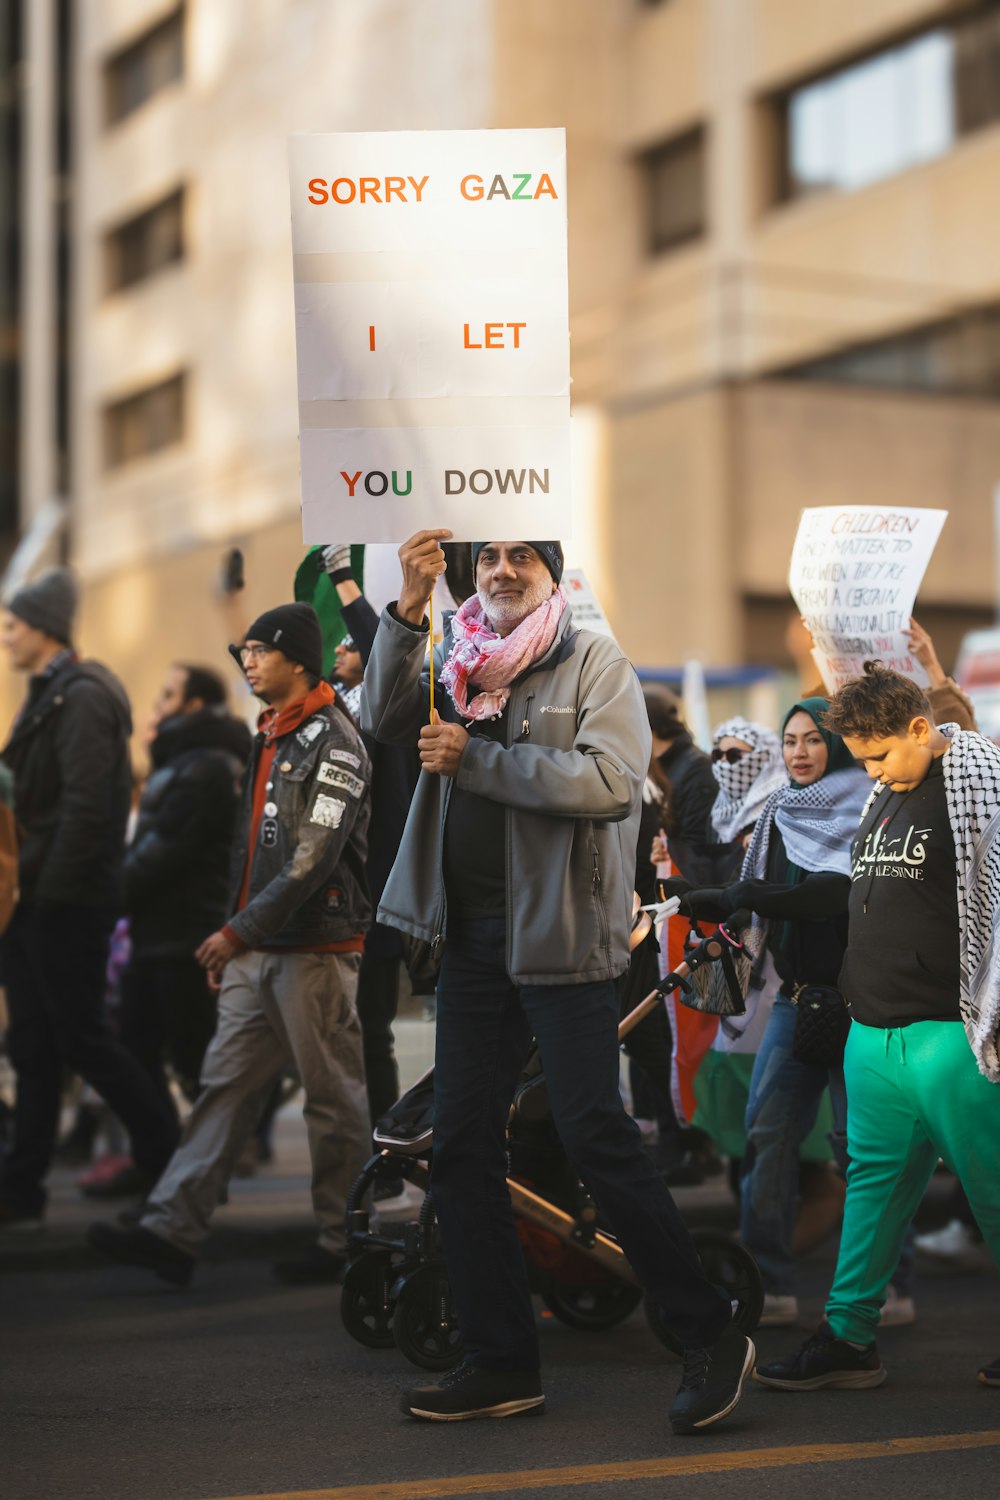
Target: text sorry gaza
514	187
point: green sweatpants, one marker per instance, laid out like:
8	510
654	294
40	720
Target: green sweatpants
913	1094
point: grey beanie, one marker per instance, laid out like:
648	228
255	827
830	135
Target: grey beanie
48	604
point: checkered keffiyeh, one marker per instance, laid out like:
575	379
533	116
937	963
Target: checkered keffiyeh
972	790
745	786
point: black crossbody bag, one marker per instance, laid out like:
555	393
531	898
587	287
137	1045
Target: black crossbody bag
822	1021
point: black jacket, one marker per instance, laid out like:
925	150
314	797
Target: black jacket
693	848
177	866
307	876
69	754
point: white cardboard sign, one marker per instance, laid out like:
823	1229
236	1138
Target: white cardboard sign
854	575
432	332
587	611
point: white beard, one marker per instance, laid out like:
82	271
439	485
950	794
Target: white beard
513	611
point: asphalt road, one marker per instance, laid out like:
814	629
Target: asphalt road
116	1386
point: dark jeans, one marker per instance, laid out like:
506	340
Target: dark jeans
484	1029
167	1014
54	966
378	997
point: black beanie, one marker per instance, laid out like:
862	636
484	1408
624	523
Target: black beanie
48	604
295	630
551	554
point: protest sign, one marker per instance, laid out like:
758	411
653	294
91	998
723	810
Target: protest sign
587	611
432	333
854	575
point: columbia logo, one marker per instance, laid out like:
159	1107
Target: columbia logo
550	708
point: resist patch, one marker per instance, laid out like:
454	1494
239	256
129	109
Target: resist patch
334	776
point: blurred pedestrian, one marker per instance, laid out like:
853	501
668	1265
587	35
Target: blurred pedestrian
287	959
694	850
69	753
177	882
748	766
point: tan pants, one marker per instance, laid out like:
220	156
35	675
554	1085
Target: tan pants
275	1011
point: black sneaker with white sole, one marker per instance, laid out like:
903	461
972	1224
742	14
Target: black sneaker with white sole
990	1374
712	1382
466	1392
825	1363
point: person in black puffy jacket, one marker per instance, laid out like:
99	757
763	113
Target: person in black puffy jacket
177	874
68	755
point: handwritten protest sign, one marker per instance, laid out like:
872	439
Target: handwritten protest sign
587	611
854	575
431	332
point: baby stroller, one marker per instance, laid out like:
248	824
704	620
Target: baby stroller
396	1290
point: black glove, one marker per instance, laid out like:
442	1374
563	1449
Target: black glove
709	903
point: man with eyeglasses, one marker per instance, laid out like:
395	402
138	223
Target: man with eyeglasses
287	962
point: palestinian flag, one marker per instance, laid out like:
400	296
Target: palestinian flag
312	586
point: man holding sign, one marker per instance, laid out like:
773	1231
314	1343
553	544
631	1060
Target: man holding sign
518	856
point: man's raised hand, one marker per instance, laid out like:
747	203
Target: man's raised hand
423	562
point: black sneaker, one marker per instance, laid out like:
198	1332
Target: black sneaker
466	1392
712	1382
314	1267
140	1247
990	1374
825	1362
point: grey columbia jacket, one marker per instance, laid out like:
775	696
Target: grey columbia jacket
570	776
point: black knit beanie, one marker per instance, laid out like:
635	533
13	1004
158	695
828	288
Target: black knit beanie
295	630
551	554
48	604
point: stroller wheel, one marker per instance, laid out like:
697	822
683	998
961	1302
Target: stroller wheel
731	1266
601	1304
366	1303
424	1322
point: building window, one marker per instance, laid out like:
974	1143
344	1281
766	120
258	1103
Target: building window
145	66
674	177
145	422
146	243
955	357
904	105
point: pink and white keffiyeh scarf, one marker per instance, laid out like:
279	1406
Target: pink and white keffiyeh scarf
492	661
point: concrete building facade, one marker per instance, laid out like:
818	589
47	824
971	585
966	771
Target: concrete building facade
783	286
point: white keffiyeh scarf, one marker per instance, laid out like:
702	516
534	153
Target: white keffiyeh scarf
972	790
